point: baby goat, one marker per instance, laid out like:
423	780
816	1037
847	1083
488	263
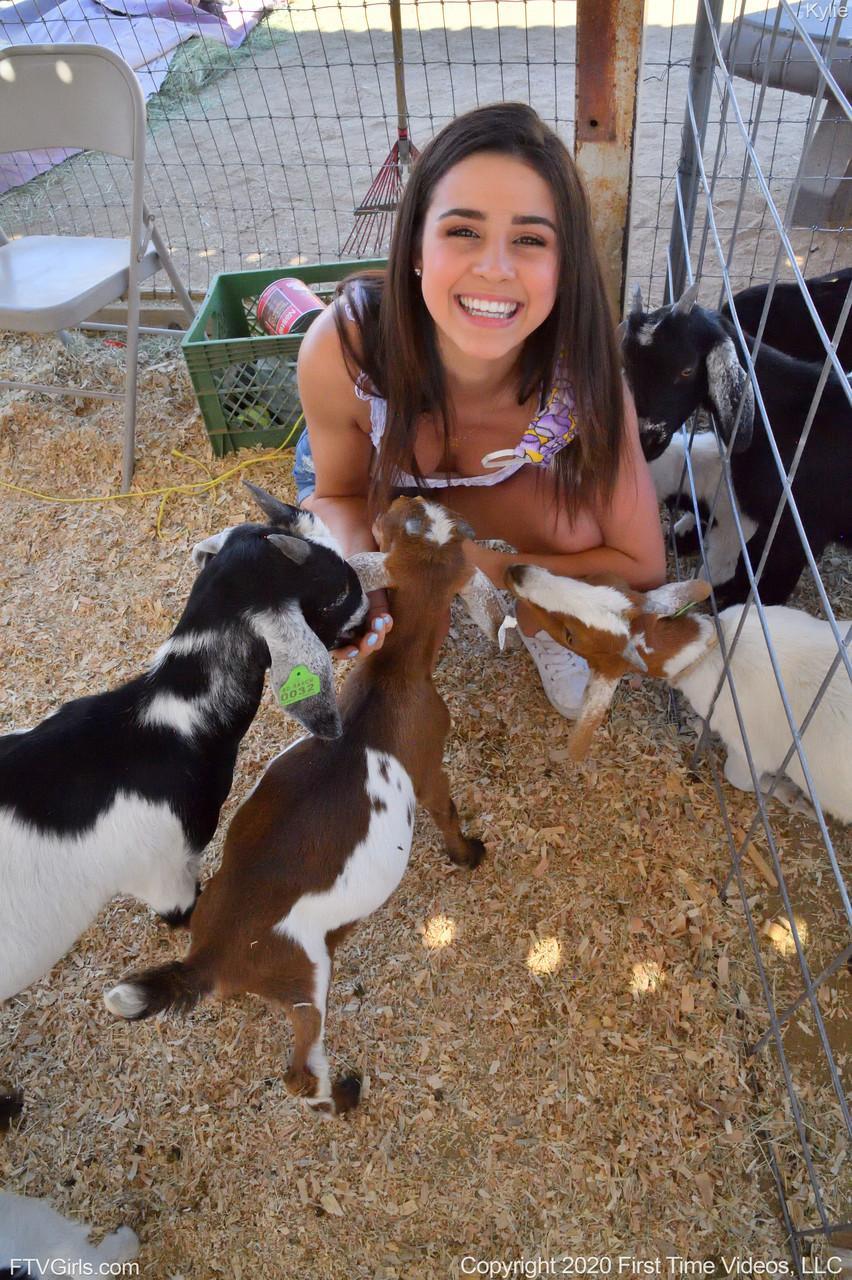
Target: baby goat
121	792
324	838
671	481
618	630
33	1232
682	358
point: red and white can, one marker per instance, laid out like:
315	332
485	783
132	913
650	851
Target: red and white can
288	306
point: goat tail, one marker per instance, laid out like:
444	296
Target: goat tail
178	985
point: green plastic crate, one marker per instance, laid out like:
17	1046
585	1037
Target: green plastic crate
245	378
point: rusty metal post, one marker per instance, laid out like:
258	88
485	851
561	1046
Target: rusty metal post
609	58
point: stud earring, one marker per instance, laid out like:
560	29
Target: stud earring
418	271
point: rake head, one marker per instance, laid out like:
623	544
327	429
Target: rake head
374	215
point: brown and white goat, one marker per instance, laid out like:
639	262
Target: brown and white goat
324	838
618	630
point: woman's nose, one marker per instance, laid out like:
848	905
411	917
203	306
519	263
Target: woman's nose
495	263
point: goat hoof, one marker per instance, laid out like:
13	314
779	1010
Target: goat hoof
181	919
474	852
346	1093
11	1106
302	1084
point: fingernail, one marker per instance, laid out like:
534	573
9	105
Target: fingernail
372	639
378	624
387	619
353	653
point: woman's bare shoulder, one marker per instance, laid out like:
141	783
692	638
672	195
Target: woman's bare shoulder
325	372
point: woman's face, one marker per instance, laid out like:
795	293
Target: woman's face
490	257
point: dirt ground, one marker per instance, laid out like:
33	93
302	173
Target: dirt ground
553	1048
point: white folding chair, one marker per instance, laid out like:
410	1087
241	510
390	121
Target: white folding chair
78	96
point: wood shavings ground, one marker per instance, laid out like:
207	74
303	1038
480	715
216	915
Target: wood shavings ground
552	1047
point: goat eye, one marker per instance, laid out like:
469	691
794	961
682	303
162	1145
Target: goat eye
687	373
569	636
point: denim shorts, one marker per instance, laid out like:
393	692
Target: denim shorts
304	472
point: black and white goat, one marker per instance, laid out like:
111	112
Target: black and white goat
789	326
36	1240
324	838
682	358
671	481
121	792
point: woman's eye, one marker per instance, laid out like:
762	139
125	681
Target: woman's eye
530	240
462	231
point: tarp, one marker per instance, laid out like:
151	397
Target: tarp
145	33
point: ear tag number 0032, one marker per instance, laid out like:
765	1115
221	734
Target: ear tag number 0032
300	684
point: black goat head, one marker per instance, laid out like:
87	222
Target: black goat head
679	359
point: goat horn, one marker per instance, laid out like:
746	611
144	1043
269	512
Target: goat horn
295	549
483	603
636	304
371	569
686	301
632	654
276	512
599	695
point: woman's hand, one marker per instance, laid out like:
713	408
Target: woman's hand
377	624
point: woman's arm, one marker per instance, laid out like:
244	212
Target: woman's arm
341	451
632	548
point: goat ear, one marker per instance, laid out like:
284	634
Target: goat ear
686	301
275	511
300	671
483	603
599	693
295	549
204	551
727	384
371	569
466	530
636	302
673	596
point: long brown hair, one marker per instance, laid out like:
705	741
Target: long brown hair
399	349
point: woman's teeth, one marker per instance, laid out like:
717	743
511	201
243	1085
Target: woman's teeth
496	310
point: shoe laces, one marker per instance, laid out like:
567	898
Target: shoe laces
555	659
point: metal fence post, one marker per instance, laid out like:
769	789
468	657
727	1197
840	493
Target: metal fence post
701	68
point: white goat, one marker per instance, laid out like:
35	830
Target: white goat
671	480
35	1240
619	630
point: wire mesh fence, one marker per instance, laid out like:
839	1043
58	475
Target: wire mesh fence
778	124
259	155
750	171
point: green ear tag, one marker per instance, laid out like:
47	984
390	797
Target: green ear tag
300	684
684	608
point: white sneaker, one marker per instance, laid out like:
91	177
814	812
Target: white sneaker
564	675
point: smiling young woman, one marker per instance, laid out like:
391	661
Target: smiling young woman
482	366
